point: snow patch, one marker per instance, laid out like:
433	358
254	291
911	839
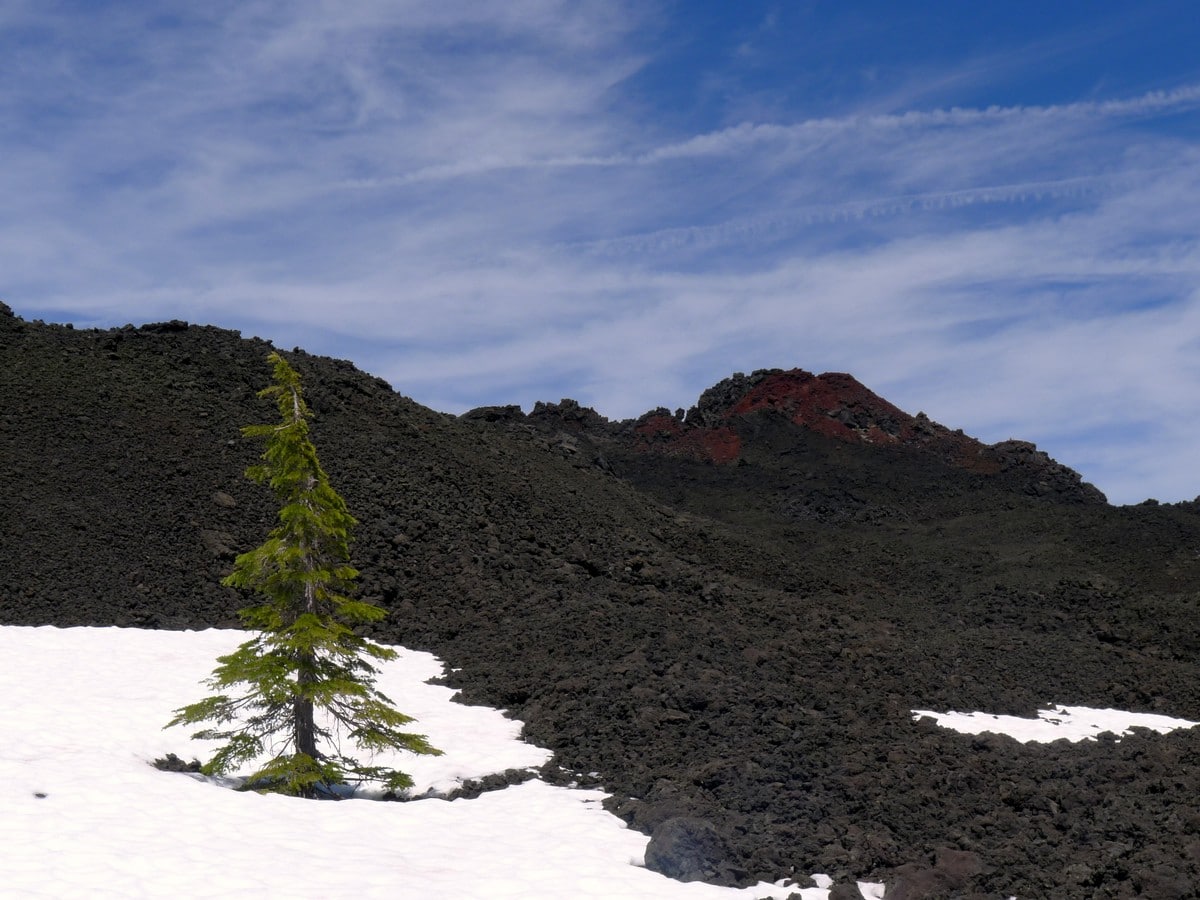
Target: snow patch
1072	723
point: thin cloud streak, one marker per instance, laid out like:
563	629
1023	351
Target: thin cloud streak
741	138
734	140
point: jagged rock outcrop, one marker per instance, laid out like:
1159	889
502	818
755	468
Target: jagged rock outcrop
726	420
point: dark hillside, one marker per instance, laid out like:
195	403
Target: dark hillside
736	637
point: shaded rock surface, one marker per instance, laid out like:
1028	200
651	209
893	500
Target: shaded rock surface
688	849
735	637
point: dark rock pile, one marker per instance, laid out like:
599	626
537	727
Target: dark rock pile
733	644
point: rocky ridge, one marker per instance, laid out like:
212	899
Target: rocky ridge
835	405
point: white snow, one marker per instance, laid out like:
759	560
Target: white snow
1072	723
84	814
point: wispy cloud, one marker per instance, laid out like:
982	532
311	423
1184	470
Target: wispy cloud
735	140
467	200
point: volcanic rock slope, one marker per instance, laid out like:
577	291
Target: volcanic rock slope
723	616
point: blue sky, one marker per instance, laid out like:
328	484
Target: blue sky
986	212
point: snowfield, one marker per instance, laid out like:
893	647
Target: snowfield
83	813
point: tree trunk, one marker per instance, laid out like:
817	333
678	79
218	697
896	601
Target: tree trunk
306	664
306	729
303	724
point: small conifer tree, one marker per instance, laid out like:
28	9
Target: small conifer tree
306	680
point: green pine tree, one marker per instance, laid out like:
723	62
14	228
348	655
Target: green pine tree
306	658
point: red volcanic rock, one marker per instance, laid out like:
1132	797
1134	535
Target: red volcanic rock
727	419
838	406
835	404
660	431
